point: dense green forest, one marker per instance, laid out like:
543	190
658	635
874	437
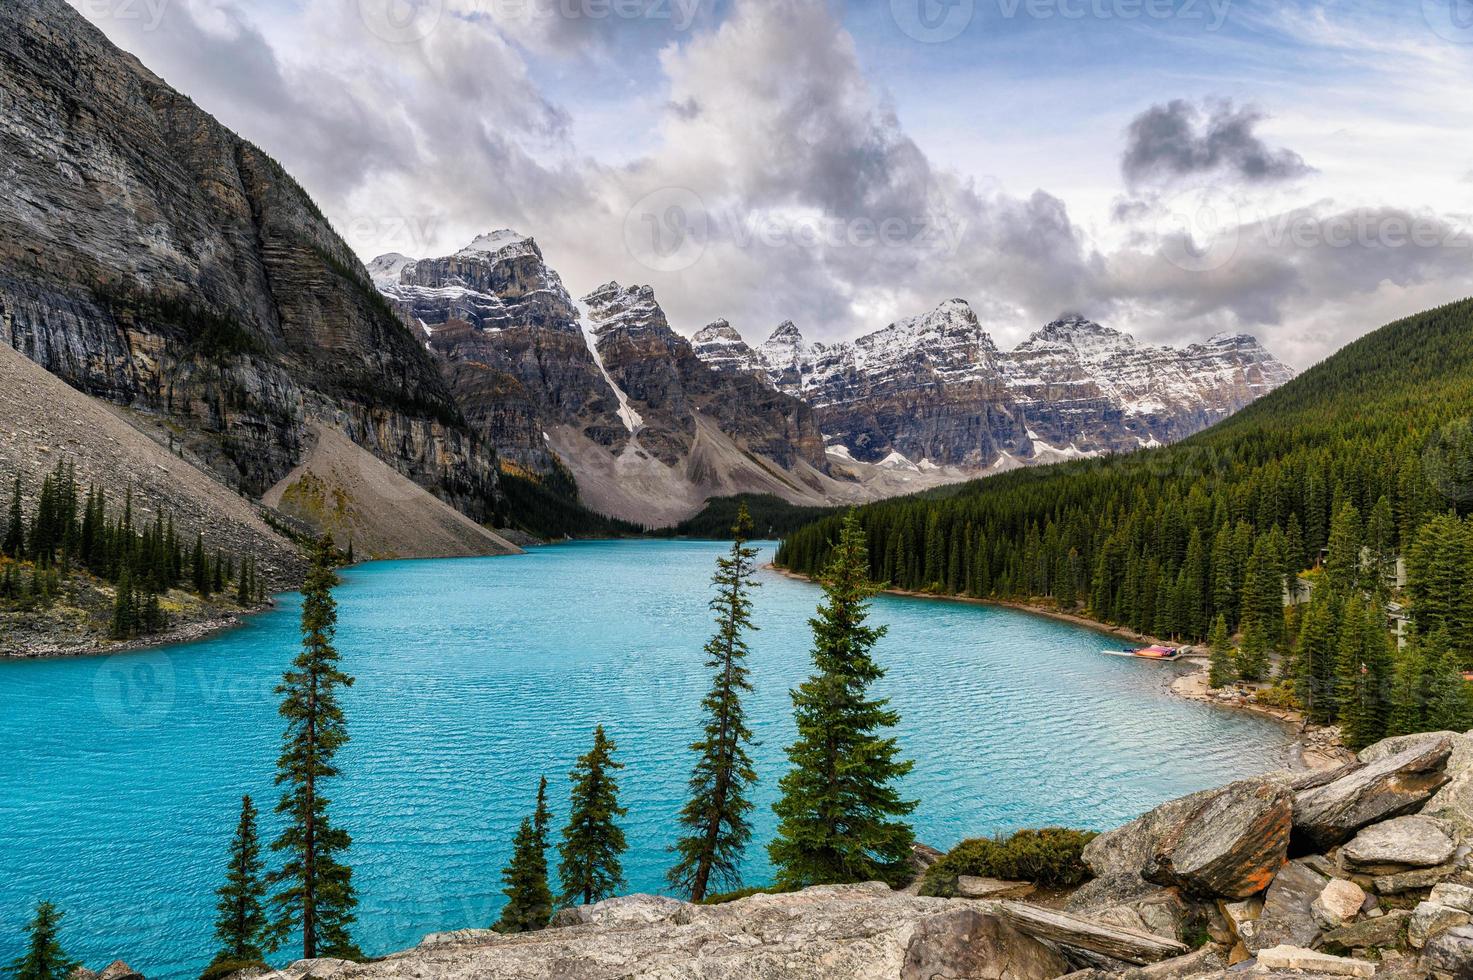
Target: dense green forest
59	533
548	507
772	517
1318	490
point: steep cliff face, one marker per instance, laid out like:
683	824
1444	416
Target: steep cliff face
668	384
150	256
510	341
602	388
935	388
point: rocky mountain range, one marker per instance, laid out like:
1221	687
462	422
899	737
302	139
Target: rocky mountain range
935	389
649	424
152	258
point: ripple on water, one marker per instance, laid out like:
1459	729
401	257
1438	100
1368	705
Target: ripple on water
477	676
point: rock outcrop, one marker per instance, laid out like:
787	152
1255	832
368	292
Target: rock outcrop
151	257
1315	915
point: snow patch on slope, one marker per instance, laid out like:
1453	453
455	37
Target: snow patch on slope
631	419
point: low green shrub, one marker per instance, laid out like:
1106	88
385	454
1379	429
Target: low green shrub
224	966
1281	695
725	897
1049	857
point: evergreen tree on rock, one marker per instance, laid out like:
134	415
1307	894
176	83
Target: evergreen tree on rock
529	899
44	958
316	895
242	925
839	814
714	820
590	869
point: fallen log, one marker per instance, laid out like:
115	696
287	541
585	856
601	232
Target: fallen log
1067	929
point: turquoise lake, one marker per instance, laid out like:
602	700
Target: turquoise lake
122	775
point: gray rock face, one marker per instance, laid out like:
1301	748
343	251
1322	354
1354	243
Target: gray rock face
1454	801
844	932
1288	909
935	387
1228	847
1404	842
1430	919
1450	954
151	257
1331	814
967	943
1382	931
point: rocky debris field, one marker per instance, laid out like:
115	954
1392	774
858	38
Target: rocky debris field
1359	871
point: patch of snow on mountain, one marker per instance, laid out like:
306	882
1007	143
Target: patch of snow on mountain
631	419
492	243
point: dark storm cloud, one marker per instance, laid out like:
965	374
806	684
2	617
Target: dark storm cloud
1173	141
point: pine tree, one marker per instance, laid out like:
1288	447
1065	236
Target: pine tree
590	870
14	545
1220	668
838	815
715	818
242	925
529	899
125	608
316	893
542	816
1342	564
1252	659
44	958
1315	683
199	566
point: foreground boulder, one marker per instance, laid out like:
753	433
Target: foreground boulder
1331	814
833	932
1116	942
1400	844
1288	909
969	943
1228	846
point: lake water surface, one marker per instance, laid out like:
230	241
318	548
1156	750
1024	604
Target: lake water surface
122	775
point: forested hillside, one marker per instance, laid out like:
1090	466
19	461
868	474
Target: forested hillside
1317	488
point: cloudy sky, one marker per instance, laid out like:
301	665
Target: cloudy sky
1298	169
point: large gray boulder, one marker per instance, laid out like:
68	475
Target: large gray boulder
1229	846
968	943
1389	787
1400	844
1450	955
834	932
1126	850
1454	801
1288	909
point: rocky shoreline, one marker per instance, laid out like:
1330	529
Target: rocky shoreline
187	632
1314	747
1363	871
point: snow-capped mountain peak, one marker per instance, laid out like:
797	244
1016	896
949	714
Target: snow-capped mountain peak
491	243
